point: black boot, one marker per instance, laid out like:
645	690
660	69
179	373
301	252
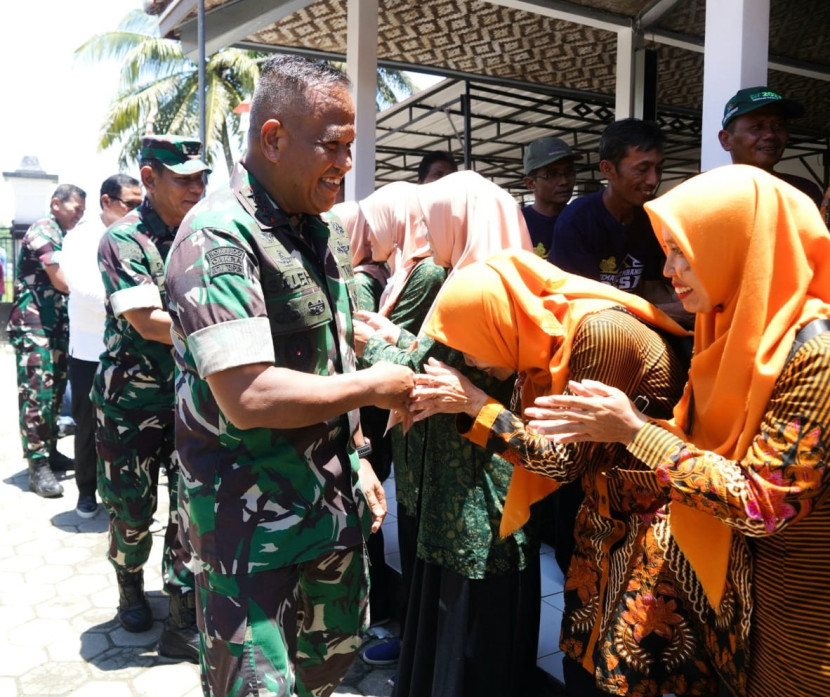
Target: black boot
42	481
60	462
180	636
133	609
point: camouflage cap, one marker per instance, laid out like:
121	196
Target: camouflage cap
179	154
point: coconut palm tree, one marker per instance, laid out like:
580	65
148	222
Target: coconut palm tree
159	89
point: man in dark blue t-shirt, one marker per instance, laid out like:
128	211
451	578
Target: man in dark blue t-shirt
607	235
550	174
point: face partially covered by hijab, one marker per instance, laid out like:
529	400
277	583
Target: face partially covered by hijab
395	229
396	233
469	218
750	239
759	254
350	215
517	311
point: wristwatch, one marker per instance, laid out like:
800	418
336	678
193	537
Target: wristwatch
366	449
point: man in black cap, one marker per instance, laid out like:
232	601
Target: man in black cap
134	392
755	132
551	175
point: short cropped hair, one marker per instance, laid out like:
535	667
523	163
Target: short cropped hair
113	185
65	192
285	79
621	135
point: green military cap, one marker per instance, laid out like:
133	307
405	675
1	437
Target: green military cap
179	154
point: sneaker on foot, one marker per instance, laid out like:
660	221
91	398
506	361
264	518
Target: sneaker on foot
384	653
87	506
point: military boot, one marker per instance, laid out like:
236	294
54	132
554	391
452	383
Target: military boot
42	480
180	636
133	609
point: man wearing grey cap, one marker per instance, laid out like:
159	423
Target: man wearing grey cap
550	174
134	392
756	130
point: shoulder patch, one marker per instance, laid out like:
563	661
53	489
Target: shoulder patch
128	249
226	260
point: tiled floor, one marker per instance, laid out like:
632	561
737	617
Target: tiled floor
549	657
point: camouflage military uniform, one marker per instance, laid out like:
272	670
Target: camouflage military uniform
133	393
39	332
273	516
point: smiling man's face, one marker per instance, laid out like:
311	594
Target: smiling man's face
757	138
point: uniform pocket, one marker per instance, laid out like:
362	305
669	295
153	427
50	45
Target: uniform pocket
299	323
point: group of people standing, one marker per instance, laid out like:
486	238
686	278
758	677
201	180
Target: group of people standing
115	335
693	527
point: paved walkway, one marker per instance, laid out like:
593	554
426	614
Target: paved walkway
58	632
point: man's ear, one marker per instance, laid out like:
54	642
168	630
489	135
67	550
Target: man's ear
148	178
270	135
54	204
724	137
530	183
607	169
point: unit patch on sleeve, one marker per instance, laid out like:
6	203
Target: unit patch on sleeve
226	260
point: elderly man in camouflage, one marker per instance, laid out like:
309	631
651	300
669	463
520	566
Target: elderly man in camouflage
274	495
134	392
39	332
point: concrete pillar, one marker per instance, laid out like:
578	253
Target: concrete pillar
625	105
636	78
362	67
735	56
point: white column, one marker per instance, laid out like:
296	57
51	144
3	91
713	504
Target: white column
735	56
624	106
362	67
630	75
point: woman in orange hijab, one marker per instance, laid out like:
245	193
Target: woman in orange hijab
747	450
625	628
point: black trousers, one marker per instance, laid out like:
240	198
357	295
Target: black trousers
81	374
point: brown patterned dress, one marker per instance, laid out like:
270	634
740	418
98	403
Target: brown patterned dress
635	614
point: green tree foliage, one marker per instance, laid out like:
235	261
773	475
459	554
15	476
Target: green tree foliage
158	91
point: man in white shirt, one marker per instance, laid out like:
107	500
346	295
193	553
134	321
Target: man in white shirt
119	195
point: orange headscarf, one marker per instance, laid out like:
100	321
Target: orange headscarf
350	215
518	311
762	254
397	234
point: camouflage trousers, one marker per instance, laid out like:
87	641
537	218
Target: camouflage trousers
284	632
132	448
41	383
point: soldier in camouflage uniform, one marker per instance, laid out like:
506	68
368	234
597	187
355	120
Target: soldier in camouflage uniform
39	332
134	393
275	502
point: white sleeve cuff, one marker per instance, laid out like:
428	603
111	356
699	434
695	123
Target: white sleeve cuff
231	344
145	295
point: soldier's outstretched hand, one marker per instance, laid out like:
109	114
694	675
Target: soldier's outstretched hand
390	385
